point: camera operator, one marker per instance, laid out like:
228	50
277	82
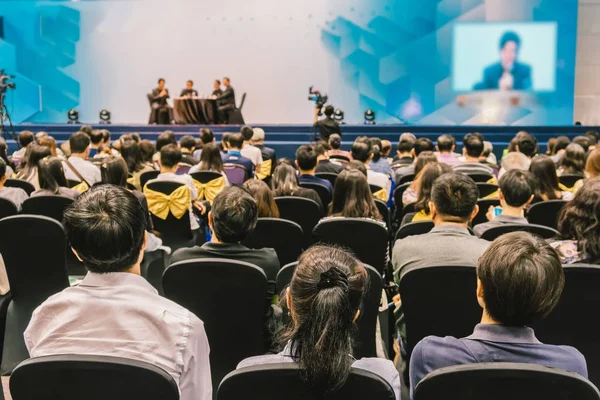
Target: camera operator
327	126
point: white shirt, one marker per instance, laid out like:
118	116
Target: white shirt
378	179
120	314
89	171
16	195
186	180
252	153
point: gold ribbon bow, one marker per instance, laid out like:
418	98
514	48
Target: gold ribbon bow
381	195
265	169
81	188
177	203
210	189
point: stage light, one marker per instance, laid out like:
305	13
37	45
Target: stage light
369	117
105	117
73	116
338	115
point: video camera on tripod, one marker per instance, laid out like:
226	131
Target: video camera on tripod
317	97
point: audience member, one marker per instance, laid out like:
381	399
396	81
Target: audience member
187	144
224	145
24	139
96	139
265	203
147	150
16	195
77	168
583	141
29	164
363	151
420	145
517	189
210	160
324	164
411	195
519	281
131	153
472	150
285	183
324	299
50	142
514	160
164	139
559	148
4	156
106	229
352	197
356	165
258	141
306	161
52	181
526	144
573	161
235	143
446	144
550	146
579	226
379	163
404	151
386	150
544	171
249	150
335	142
206	136
592	137
423	186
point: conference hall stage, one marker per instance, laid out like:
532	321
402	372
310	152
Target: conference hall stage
285	139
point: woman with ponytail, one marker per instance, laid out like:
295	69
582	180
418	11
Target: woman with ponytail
379	163
324	300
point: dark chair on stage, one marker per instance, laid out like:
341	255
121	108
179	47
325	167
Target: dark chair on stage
546	213
330	176
91	377
18	183
234	117
7	208
304	212
280	234
49	206
537	230
146	176
236	174
322	191
569	180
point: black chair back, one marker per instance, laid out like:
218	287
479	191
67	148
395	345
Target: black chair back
175	232
501	381
280	234
284	381
322	191
538	230
546	213
304	212
75	377
440	301
569	180
384	211
330	176
153	267
243	101
414	228
570	322
18	183
367	239
71	183
49	206
485	189
480	177
340	158
406	179
284	276
146	176
234	327
205	176
7	208
398	192
484	205
33	249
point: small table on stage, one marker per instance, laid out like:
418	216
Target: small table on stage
195	110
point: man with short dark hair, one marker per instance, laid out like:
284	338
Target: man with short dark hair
217	88
161	113
24	138
226	101
235	144
187	144
519	281
96	140
114	311
526	144
446	144
76	167
592	138
472	151
233	216
583	141
324	164
189	90
517	189
421	145
16	195
249	150
326	126
404	151
306	161
362	150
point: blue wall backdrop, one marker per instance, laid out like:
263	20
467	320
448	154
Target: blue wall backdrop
394	56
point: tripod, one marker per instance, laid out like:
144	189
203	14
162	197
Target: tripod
4	117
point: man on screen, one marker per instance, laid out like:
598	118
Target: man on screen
508	73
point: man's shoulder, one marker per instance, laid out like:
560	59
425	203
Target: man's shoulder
437	352
493	69
188	253
522	68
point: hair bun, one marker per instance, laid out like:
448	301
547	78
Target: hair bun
333	277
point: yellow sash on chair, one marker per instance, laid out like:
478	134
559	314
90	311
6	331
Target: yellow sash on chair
492	196
563	188
421	216
81	188
210	189
381	195
493	181
265	169
131	180
177	203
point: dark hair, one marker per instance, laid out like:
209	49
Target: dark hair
2	168
165	138
580	220
425	181
376	146
224	139
473	145
234	214
424	158
131	153
4	151
79	142
352	197
236	140
105	134
86	129
445	142
335	141
583	141
49	142
190	81
592	137
561	143
517	187
147	150
160	80
135	137
592	166
509	37
51	174
361	150
321	148
114	171
210	158
265	203
170	156
544	171
96	136
106	226
573	161
306	157
33	155
325	293
328	111
25	137
423	144
527	144
550	146
187	142
226	79
455	196
247	132
284	181
356	165
386	147
521	277
206	135
218	81
406	145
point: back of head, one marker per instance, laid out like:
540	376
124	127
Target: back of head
550	146
324	296
335	141
445	143
352	196
247	132
263	196
580	220
516	160
473	145
356	165
583	141
321	148
573	161
206	135
425	181
517	187
561	143
131	153
2	168
376	146
105	135
406	144
114	171
328	111
25	137
79	142
187	142
592	137
592	166
306	157
234	215
527	144
455	197
258	135
235	141
96	136
361	151
49	142
210	158
106	226
86	129
521	278
284	181
51	174
170	156
165	138
3	150
34	154
543	169
423	144
147	150
386	148
423	159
